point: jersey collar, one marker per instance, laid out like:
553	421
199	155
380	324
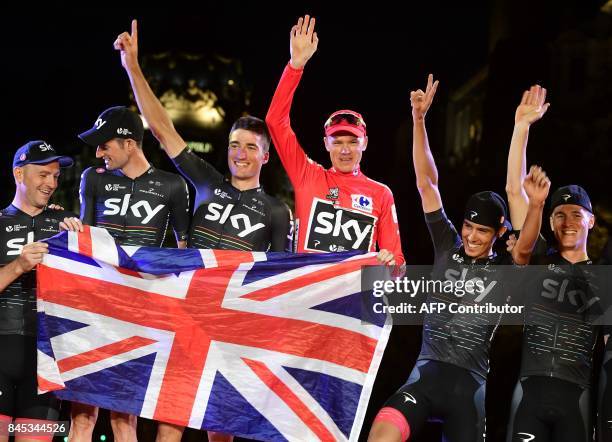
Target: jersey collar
253	190
356	172
119	172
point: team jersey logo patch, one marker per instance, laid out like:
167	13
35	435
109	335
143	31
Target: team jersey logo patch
336	229
362	202
222	194
334	194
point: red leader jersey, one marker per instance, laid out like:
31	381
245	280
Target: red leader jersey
335	211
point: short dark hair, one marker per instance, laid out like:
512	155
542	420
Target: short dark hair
123	140
255	125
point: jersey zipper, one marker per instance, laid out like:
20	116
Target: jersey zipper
227	219
125	218
552	365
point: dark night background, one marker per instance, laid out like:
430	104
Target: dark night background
59	71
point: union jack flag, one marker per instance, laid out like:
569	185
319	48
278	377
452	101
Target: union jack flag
268	346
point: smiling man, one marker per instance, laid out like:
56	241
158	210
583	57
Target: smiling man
448	382
339	208
231	213
552	396
134	201
36	169
129	197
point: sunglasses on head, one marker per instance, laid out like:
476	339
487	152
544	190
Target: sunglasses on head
351	119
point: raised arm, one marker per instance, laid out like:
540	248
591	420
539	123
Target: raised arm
530	110
424	164
151	108
303	44
303	41
537	186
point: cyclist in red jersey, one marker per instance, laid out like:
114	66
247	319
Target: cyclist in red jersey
339	208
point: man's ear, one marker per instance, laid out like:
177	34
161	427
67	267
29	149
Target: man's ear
132	145
326	143
592	221
552	227
18	174
365	143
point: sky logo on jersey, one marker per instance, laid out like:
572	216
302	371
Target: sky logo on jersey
332	228
15	245
120	206
578	293
216	212
362	202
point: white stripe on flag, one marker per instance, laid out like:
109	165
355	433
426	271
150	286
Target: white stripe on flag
103	246
130	250
205	386
208	258
73	242
264	400
259	256
47	369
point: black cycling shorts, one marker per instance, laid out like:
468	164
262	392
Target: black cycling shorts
441	392
19	397
550	409
604	410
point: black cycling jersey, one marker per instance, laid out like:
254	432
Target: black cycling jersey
227	218
135	211
460	339
18	300
558	336
448	382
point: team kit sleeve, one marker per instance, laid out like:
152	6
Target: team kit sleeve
443	234
282	231
200	173
87	196
179	209
292	155
388	229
